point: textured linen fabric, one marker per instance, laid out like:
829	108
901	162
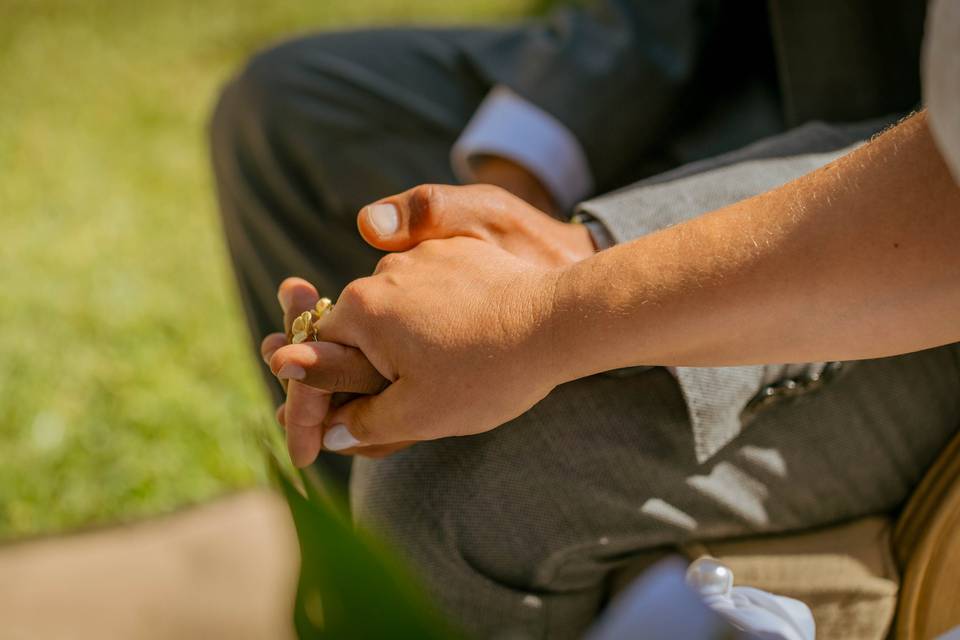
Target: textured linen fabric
521	528
941	78
717	397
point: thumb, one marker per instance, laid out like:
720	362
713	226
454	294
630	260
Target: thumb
369	420
426	212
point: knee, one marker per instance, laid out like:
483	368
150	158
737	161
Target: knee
427	501
464	534
404	496
255	102
454	510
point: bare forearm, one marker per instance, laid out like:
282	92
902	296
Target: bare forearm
859	259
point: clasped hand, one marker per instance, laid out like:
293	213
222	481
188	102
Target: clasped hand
451	335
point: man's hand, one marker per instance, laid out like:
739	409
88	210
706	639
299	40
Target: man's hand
460	327
484	212
309	396
397	224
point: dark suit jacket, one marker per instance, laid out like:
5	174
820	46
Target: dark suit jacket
630	77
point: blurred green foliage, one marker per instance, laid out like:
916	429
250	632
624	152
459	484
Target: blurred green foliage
350	584
127	385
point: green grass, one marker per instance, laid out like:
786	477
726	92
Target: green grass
127	387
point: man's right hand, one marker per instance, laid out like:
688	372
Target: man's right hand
398	224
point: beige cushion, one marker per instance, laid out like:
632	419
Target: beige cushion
846	574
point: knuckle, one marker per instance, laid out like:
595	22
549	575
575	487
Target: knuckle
340	381
388	262
360	300
491	191
354	295
425	205
361	427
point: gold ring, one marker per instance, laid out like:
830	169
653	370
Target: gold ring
306	325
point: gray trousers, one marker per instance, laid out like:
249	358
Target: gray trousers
518	530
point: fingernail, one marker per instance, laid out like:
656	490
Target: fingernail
284	299
383	218
291	371
338	438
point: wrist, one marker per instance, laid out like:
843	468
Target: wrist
581	242
565	332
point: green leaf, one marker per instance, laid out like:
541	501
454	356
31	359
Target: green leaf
351	585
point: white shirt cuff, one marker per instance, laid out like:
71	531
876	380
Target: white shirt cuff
509	126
